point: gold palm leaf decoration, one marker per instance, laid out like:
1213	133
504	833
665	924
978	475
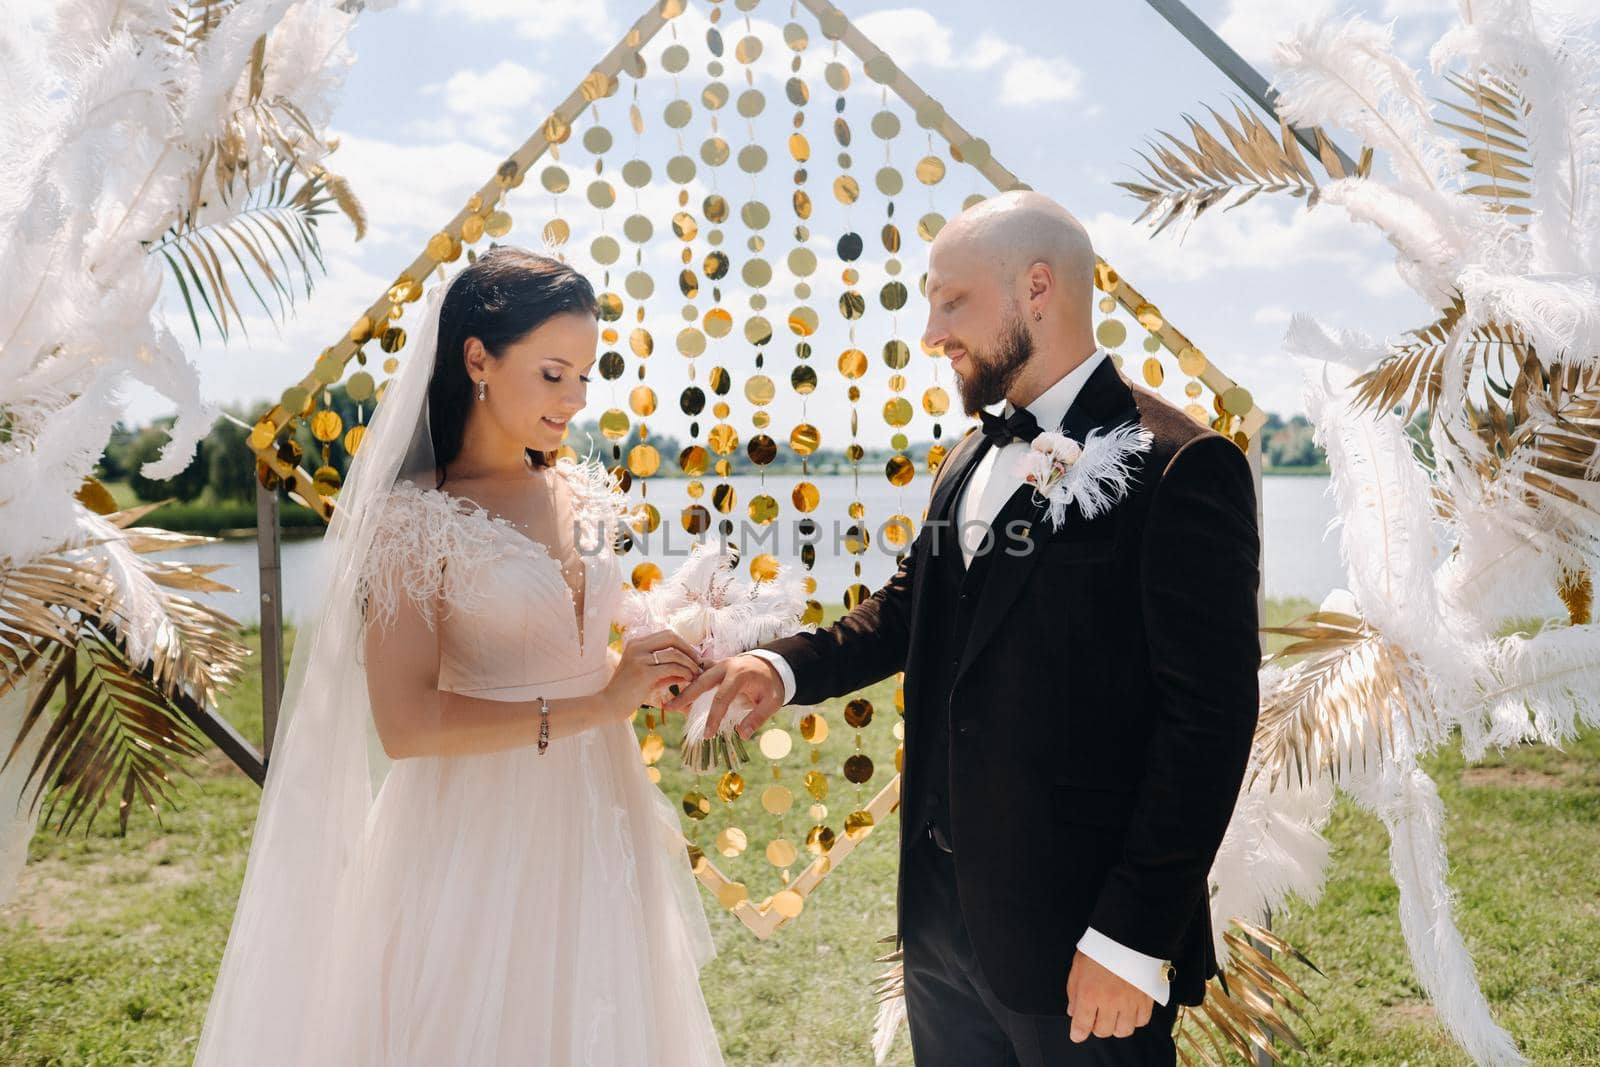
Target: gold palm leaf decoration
1186	178
1499	396
193	21
1244	1009
1534	431
113	734
1414	366
69	621
1336	702
1184	181
1500	154
1411	376
265	144
272	238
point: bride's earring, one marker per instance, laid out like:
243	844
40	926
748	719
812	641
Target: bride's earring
483	389
1038	316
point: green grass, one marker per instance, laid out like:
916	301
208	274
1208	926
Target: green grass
108	954
230	517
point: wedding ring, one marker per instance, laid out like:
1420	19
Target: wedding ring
653	658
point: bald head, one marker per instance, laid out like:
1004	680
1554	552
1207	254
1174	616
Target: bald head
1008	233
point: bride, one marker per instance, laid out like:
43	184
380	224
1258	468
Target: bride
459	859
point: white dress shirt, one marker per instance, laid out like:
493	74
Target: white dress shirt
991	483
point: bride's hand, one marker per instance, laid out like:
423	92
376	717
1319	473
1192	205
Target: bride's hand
648	665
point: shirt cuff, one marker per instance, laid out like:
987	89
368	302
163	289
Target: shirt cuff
781	665
1145	973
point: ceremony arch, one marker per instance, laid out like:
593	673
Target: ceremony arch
872	312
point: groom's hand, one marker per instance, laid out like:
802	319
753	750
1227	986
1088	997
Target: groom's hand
1102	1004
748	676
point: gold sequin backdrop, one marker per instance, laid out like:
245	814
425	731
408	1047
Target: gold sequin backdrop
762	220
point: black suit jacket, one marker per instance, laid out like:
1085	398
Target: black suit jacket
1103	706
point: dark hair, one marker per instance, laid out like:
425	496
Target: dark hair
501	298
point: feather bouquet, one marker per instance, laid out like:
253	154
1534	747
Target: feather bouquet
706	604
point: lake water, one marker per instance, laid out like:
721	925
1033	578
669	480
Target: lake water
1298	560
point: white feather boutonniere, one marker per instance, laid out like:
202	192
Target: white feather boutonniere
1093	475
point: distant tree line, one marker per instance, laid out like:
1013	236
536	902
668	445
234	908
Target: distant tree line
224	467
223	470
1288	443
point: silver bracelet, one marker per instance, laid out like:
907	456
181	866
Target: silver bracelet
544	725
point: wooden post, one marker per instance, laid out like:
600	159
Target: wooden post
270	562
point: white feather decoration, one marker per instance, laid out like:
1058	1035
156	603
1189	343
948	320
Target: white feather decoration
890	1018
1426	229
1444	551
704	603
78	314
1407	801
1273	850
1495	571
1388	536
1556	67
1345	75
1311	339
105	131
1559	314
1544	686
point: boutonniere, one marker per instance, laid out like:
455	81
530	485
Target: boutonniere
1093	475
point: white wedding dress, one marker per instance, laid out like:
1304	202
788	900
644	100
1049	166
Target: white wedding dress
513	908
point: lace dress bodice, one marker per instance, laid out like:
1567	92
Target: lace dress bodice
508	622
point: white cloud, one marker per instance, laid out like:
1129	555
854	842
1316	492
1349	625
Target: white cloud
1033	80
503	86
1255	27
1271	315
486	101
542	20
1259	237
409	189
913	37
1384	281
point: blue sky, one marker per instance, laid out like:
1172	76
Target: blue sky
1064	92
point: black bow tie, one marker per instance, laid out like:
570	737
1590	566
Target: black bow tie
1019	425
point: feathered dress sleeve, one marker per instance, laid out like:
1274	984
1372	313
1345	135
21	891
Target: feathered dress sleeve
603	508
424	547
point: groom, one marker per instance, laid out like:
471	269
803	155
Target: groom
1079	702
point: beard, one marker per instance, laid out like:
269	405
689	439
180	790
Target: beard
992	373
